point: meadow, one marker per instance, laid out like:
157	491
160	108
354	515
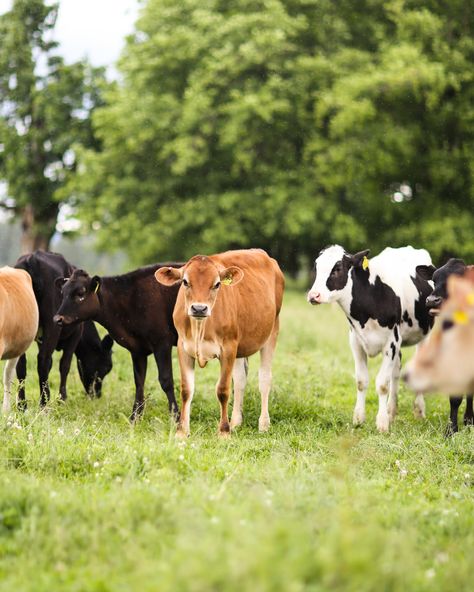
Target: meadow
90	503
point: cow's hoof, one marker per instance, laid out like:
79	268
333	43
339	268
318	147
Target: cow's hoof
450	430
383	423
235	422
264	424
468	421
223	434
359	417
419	413
181	434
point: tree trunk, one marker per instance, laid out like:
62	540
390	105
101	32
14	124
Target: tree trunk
34	236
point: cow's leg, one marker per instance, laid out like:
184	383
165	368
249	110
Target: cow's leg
21	375
265	376
393	398
383	382
186	368
45	361
139	374
65	362
223	387
454	404
239	376
165	376
362	377
419	407
469	414
8	376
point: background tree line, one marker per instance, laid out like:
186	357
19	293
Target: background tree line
284	124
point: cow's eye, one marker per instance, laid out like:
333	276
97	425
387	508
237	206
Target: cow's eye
447	324
185	283
217	286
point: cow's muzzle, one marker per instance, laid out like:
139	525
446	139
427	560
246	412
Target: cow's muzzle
62	320
433	304
314	298
199	311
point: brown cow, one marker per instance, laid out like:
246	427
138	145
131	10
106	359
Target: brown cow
445	361
18	322
227	308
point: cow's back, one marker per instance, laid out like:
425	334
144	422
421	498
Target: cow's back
253	305
18	312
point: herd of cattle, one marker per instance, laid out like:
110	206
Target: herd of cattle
227	306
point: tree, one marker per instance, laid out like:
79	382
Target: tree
285	124
45	110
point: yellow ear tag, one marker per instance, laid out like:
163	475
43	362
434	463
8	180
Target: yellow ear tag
227	280
460	317
96	289
365	263
470	299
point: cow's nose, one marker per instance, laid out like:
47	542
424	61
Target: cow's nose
58	319
434	301
199	310
314	297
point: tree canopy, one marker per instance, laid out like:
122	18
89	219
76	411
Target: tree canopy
287	124
45	109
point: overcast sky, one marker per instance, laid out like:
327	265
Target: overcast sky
92	28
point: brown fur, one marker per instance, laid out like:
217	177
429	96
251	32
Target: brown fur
243	317
18	322
445	361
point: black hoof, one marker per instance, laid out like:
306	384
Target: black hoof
450	430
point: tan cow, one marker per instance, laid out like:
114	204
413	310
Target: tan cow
445	361
227	308
18	322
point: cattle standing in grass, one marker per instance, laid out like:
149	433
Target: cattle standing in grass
18	322
94	357
384	302
444	363
433	303
227	308
138	314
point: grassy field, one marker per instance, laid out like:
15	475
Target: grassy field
89	503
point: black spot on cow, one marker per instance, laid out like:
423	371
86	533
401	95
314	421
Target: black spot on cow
339	273
395	332
394	350
425	320
374	301
406	318
350	322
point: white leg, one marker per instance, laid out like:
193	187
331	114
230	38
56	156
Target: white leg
383	382
361	375
239	376
8	377
186	367
419	408
265	378
393	398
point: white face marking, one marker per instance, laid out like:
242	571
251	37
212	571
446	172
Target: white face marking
324	265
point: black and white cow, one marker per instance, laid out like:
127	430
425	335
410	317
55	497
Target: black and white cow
384	302
434	301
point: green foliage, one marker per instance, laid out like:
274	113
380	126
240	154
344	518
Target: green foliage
285	124
90	503
45	109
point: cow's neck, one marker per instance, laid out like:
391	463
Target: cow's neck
197	334
112	313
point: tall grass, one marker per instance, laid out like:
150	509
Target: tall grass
90	503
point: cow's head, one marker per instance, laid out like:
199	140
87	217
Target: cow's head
94	365
439	278
80	300
201	281
332	268
444	361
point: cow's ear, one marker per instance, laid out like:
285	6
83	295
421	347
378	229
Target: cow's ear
107	342
95	284
168	276
60	281
231	275
360	259
425	271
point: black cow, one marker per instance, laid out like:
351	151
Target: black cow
138	313
94	357
433	302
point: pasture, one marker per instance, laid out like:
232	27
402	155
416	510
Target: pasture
89	502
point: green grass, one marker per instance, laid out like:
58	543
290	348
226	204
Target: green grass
89	503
